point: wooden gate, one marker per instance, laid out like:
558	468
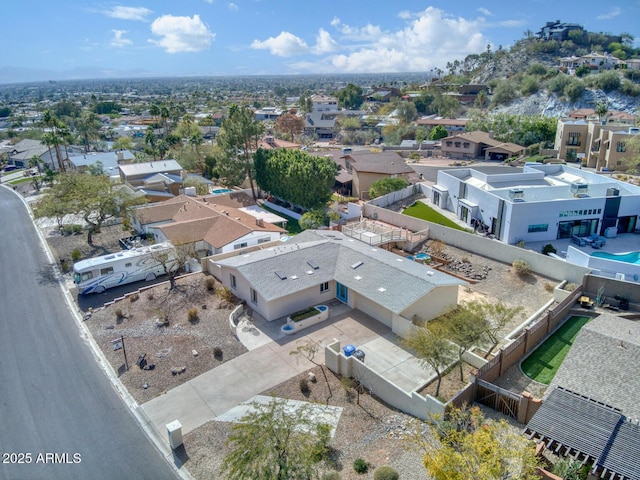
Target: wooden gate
498	398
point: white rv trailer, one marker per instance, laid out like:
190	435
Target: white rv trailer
95	275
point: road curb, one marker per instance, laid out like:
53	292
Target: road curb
136	411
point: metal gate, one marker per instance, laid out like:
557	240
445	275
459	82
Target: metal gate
498	398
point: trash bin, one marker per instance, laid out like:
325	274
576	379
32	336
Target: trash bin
359	354
348	350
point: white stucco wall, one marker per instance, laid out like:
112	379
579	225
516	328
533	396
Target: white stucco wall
372	309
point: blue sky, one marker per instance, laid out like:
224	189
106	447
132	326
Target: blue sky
249	37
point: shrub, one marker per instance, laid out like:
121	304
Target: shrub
548	287
360	466
217	352
119	314
521	267
437	247
304	386
548	248
134	297
210	283
331	476
76	254
192	314
225	294
386	473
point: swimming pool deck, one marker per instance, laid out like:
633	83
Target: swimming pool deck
624	243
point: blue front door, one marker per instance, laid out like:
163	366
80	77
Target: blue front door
342	292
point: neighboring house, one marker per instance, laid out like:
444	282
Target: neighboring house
478	144
269	142
209	132
268	113
366	168
319	125
599	145
558	31
324	104
452	125
317	267
22	152
109	160
135	173
543	202
592	409
383	94
595	61
209	223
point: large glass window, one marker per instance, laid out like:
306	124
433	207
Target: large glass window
540	227
574	139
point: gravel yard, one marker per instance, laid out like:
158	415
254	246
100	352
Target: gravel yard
371	430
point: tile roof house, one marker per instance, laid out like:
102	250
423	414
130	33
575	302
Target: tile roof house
316	267
215	224
478	144
20	153
109	160
367	167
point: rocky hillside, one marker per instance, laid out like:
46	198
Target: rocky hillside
512	65
550	105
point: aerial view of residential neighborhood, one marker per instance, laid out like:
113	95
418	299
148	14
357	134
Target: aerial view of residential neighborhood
320	241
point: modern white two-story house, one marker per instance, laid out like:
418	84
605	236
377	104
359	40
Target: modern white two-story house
543	202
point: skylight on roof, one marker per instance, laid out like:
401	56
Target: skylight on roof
356	265
358	277
280	275
313	264
293	277
382	289
309	272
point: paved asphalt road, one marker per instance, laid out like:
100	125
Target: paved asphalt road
54	397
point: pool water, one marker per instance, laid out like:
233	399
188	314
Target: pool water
630	257
218	191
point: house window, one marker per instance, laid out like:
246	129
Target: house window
621	147
233	280
465	144
106	271
540	227
263	240
127	265
457	144
324	287
574	139
449	143
254	296
436	198
238	246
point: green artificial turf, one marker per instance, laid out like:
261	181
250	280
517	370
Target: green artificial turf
425	212
293	227
544	361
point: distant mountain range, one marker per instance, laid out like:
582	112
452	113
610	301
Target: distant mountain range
24	75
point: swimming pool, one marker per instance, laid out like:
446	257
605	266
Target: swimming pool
629	257
218	191
419	256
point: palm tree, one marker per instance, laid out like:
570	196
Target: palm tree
150	140
87	127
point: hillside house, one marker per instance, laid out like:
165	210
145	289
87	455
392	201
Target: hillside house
478	144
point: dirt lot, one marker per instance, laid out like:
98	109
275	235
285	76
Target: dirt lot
372	430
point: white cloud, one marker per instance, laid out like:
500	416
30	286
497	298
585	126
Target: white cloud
285	44
129	13
615	11
485	11
324	43
118	39
181	34
233	7
430	39
335	22
405	14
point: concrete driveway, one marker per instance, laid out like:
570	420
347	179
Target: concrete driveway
269	363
